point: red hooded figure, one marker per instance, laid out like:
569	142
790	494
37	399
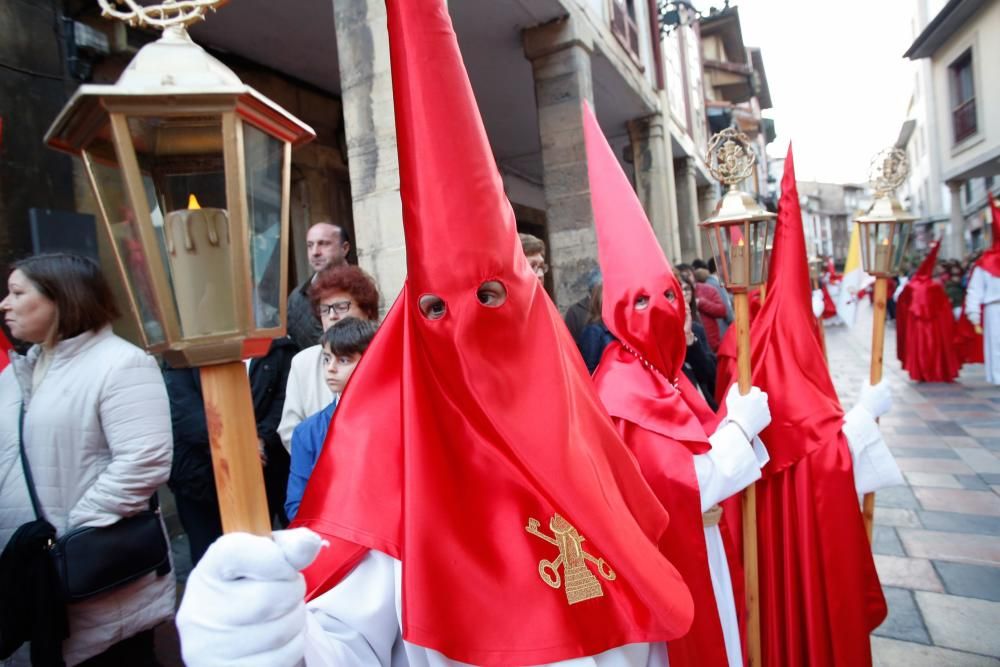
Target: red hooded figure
5	348
661	416
819	593
925	326
472	446
982	300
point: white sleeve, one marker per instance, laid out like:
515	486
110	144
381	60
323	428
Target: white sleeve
874	466
730	466
355	623
975	294
292	411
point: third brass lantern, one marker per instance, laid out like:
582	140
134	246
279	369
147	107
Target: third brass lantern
886	227
741	231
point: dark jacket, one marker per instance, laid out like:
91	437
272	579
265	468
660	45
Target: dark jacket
304	327
700	363
191	471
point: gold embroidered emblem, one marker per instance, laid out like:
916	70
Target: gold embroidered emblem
581	584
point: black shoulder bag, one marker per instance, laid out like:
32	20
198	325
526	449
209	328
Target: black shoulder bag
91	561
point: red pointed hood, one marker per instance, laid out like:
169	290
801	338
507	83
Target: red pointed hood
473	446
643	306
5	348
786	355
990	261
926	268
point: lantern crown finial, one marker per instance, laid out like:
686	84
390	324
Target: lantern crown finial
888	170
163	15
730	158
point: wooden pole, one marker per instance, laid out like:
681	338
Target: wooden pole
878	346
741	308
232	432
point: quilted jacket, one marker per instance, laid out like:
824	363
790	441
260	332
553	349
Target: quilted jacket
97	435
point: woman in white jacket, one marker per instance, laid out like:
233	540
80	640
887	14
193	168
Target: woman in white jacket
97	436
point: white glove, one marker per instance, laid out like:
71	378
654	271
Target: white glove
876	400
974	316
817	302
244	603
751	412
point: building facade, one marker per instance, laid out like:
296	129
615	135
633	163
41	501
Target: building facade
531	64
960	45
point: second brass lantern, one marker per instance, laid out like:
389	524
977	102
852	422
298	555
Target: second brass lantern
741	231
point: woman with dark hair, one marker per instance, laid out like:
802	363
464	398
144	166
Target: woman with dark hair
96	434
699	360
595	335
338	292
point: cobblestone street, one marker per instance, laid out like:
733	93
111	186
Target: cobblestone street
937	539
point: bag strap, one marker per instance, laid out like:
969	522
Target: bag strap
27	468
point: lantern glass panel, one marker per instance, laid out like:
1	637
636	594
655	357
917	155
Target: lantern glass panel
759	242
899	245
183	156
264	157
882	251
122	221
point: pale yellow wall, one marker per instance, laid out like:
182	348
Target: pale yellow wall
982	34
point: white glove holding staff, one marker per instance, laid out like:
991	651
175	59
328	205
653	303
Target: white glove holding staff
876	400
245	601
751	412
817	303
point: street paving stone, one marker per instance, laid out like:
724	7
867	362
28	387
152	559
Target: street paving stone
934	479
897	496
974	581
961	523
898	517
937	539
885	541
904	620
894	653
959	500
961	623
912	573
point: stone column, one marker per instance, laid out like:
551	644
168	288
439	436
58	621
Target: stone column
956	240
708	199
370	129
654	179
560	61
688	215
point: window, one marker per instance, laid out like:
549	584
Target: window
623	25
963	97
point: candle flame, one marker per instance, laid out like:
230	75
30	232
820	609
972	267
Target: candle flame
193	204
740	243
885	241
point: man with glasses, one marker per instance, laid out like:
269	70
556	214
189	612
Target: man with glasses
327	246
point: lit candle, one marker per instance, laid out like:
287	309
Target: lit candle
199	254
882	257
738	265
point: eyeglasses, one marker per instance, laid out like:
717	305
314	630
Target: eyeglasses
338	307
539	267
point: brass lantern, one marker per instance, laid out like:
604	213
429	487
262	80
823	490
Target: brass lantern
741	230
886	227
191	171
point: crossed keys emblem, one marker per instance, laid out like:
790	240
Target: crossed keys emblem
581	584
